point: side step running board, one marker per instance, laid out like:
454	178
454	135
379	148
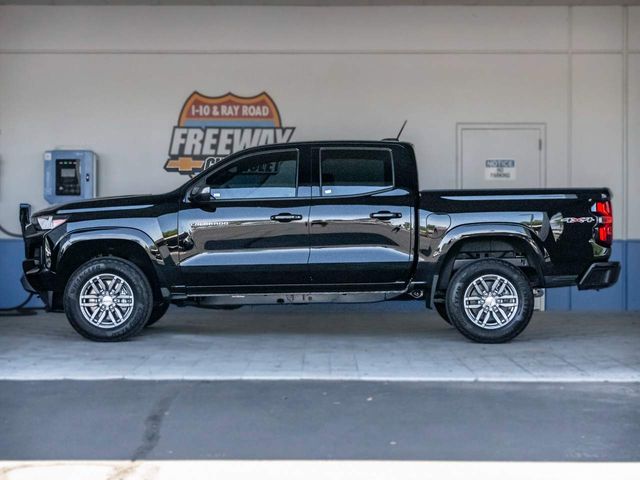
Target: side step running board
294	298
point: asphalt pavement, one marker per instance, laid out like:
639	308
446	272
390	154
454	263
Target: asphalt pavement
356	420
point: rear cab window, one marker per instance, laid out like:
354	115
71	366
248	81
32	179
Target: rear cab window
355	171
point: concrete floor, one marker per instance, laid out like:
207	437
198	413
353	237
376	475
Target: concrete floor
455	421
216	387
348	342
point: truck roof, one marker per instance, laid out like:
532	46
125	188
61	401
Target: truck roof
332	142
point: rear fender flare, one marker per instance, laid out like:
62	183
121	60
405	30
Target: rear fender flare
455	237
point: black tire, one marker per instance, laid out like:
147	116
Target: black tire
140	290
441	308
157	313
498	333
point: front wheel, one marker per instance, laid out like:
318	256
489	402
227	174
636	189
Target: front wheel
108	299
490	301
157	313
441	308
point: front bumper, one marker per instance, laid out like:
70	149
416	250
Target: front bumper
599	275
37	278
39	281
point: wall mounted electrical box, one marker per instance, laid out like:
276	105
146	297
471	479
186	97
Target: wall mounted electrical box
69	175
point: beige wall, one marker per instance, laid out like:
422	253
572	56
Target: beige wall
114	79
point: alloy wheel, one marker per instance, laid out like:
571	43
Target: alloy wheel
106	300
491	301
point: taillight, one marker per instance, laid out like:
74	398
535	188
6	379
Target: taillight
604	228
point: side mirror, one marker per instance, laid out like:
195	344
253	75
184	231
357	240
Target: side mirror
200	195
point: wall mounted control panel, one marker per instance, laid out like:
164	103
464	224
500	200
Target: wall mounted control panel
69	175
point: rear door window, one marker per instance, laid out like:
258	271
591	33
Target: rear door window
355	171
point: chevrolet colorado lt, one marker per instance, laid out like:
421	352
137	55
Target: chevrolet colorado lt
317	222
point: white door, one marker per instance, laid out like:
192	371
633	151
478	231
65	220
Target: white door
494	156
505	156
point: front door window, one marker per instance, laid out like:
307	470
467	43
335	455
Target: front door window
264	175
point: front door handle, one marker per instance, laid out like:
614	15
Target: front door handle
285	217
386	215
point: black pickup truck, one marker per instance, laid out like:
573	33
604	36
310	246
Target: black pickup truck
317	222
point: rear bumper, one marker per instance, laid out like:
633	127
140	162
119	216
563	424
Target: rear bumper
599	275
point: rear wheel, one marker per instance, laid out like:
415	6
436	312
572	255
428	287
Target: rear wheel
490	301
108	299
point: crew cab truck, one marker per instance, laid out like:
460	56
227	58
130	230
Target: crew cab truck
317	222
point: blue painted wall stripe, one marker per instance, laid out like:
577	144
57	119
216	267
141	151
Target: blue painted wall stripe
632	274
11	256
558	299
625	295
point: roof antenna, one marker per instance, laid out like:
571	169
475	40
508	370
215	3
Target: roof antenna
398	137
401	129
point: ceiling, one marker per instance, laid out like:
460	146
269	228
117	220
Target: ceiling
320	2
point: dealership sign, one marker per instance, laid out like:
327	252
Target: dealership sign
210	128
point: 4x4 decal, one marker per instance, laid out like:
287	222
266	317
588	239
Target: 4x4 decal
578	220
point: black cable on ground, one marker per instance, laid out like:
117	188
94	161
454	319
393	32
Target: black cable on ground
19	309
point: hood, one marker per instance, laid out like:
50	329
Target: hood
104	204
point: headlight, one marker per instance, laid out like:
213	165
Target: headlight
49	222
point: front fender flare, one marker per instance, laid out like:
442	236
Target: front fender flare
118	233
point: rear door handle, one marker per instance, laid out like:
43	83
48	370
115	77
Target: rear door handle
386	215
286	217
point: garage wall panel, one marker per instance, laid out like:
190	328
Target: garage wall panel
597	28
633	182
634	28
597	126
384	28
128	119
597	158
634	146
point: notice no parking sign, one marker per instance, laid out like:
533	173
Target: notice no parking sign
500	169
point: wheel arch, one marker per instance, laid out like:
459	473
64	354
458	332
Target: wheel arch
133	245
489	238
